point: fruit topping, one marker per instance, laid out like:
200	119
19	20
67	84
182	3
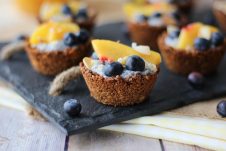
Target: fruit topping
176	15
83	36
70	40
196	79
221	108
156	15
115	50
72	107
174	34
82	14
52	31
201	44
206	31
188	35
66	10
88	62
217	39
135	63
113	69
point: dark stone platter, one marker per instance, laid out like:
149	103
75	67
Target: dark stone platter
171	91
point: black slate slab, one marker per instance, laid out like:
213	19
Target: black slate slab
171	91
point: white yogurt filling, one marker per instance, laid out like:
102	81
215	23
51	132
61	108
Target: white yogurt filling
53	46
149	69
172	42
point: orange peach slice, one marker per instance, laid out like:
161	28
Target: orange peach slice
52	31
115	50
188	35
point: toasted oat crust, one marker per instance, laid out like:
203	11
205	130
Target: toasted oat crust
53	63
143	34
116	91
184	62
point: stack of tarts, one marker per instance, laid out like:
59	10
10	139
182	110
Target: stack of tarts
195	48
121	75
56	46
71	11
146	22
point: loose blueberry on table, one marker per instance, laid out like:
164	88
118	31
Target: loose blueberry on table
221	108
196	79
72	107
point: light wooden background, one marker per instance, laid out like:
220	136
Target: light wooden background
22	133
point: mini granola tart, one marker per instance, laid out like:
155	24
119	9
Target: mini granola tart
72	11
220	13
54	47
195	48
146	22
120	75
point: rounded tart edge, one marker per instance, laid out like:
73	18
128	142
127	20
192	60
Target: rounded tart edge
55	62
116	91
184	62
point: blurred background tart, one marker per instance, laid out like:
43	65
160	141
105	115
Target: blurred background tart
70	11
146	22
195	48
56	46
121	75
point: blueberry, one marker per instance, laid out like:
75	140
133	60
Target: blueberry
135	63
221	108
209	20
72	107
141	18
94	56
174	34
82	14
217	39
201	44
196	79
66	10
113	69
82	36
176	15
157	15
70	40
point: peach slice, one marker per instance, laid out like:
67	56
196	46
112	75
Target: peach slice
115	50
206	31
188	35
52	31
88	62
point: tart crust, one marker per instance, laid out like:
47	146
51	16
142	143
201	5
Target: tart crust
116	91
144	34
184	62
54	62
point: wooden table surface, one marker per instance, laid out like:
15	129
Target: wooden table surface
20	132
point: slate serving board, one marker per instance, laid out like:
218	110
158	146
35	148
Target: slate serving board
171	91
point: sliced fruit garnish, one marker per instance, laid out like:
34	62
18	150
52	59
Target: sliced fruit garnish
88	62
52	31
188	35
206	31
115	50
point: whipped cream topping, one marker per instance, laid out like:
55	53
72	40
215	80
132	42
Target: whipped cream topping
53	46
